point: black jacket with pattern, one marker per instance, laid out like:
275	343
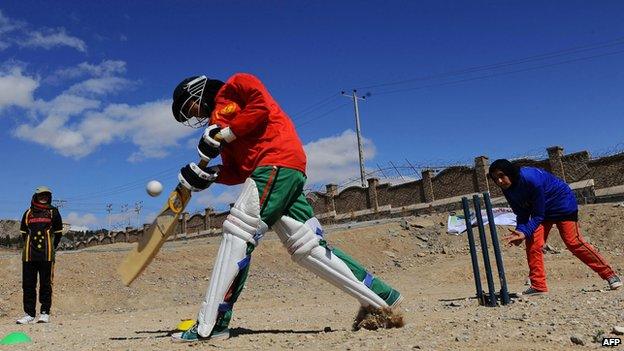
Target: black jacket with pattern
41	228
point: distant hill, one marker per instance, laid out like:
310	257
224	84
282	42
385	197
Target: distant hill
11	227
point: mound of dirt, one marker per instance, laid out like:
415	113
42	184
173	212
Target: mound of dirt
9	227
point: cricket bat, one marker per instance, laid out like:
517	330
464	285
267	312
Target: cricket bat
155	236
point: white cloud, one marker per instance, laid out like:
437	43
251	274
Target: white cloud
335	159
14	32
77	220
65	105
106	68
100	86
151	128
332	159
16	89
78	121
148	126
52	133
8	25
50	38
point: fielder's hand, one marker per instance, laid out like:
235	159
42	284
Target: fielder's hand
515	238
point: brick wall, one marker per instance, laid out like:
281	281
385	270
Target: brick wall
607	171
379	199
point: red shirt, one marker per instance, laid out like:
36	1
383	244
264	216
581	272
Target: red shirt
265	135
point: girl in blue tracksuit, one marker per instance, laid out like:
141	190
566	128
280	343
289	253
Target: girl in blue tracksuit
540	201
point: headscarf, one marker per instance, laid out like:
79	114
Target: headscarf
509	169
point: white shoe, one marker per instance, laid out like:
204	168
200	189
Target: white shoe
614	282
27	319
43	318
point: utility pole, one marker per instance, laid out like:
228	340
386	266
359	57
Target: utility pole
137	208
109	209
124	211
355	98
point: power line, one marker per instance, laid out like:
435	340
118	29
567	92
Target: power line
538	57
500	73
473	69
125	187
299	114
339	106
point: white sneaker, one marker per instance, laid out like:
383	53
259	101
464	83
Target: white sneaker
614	282
27	319
43	318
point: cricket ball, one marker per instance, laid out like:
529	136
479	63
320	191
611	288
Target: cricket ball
154	188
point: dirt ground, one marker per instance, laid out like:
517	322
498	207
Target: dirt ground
285	307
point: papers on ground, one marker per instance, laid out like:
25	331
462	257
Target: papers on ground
502	216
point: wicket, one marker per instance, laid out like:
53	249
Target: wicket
491	298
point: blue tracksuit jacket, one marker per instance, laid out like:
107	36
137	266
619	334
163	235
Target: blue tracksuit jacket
539	196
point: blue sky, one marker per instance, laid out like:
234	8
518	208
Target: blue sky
85	87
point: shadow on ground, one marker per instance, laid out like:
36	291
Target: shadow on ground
234	332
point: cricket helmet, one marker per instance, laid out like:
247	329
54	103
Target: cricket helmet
193	90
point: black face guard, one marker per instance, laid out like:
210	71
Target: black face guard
193	94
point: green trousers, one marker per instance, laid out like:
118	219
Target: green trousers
281	194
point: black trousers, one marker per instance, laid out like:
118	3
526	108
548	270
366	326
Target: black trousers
30	270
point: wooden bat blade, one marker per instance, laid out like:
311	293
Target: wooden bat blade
154	237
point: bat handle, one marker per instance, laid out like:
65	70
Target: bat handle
203	163
182	192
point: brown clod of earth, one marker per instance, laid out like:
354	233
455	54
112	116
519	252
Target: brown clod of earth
372	318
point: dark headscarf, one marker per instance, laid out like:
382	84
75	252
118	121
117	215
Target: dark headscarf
36	205
509	169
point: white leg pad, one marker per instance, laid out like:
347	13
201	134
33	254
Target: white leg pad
303	245
242	226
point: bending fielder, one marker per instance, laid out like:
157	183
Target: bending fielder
259	147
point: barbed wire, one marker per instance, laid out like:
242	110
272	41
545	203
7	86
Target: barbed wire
576	164
535	154
608	151
392	172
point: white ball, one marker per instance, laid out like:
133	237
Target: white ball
154	188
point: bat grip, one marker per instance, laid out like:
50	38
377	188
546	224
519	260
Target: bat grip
203	163
182	192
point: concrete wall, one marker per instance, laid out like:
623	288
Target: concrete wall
434	192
